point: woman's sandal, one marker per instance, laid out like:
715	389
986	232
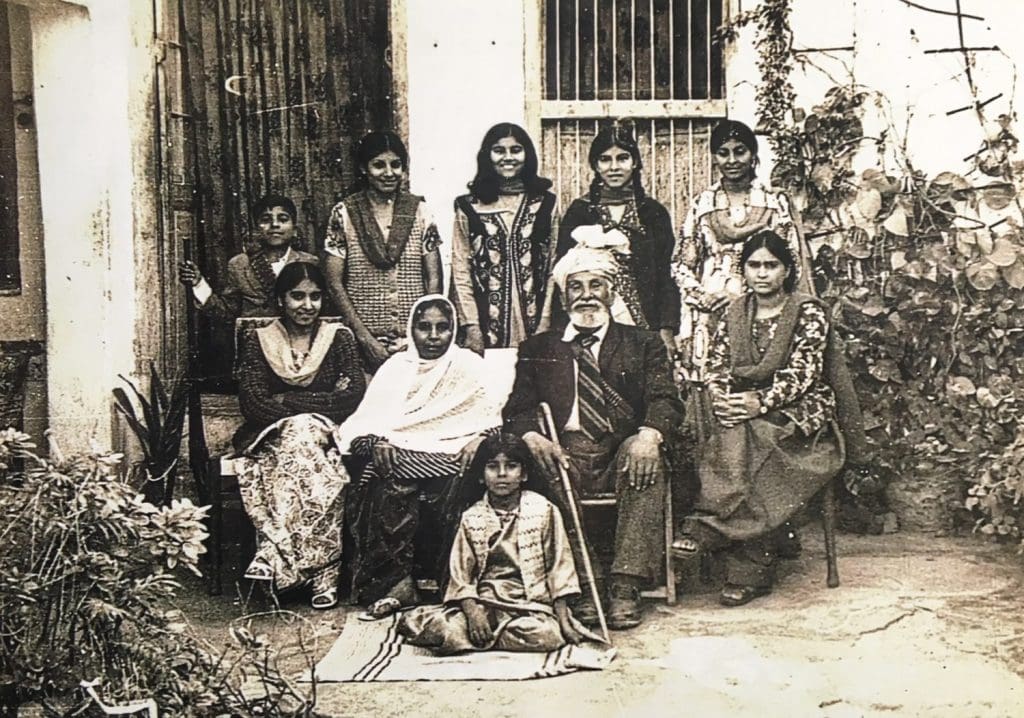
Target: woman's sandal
733	595
381	608
325	599
686	548
259	571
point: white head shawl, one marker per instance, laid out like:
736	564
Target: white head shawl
432	405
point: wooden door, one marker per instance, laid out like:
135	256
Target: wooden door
276	92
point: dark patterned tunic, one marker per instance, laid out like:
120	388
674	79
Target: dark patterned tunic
501	260
798	390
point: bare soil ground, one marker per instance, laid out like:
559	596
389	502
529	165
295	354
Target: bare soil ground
921	626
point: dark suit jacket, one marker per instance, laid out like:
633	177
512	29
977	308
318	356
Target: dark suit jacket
632	361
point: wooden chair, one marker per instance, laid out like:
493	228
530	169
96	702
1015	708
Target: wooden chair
667	591
828	524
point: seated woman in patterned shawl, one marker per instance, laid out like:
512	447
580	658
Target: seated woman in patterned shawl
298	379
381	252
774	375
511	569
425	413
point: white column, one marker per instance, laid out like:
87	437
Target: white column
92	71
464	74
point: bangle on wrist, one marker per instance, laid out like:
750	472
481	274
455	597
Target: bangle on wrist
762	408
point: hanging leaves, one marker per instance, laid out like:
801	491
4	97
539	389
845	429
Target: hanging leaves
869	202
1004	253
982	275
1014	274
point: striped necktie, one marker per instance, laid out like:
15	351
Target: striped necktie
593	408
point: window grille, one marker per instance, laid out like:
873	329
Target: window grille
652	61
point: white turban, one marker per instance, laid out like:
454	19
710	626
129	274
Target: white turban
584	259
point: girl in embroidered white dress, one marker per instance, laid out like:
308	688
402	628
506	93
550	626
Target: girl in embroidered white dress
511	567
706	264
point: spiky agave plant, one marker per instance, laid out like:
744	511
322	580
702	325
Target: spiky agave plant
159	430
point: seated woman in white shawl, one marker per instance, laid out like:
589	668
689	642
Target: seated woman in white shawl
424	414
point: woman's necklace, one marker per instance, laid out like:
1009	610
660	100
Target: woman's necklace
383	210
298	356
769	307
738	214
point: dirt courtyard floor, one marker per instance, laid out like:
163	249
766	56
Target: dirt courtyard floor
920	626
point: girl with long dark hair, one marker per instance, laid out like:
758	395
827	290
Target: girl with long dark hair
502	243
617	215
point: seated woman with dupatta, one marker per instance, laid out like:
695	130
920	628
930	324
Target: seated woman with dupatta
298	378
774	373
424	414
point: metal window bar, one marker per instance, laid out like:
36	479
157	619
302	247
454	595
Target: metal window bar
685	46
685	116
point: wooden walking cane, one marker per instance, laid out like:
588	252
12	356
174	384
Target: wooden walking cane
549	427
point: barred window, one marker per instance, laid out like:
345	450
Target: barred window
654	62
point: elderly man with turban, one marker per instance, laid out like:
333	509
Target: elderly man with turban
614	404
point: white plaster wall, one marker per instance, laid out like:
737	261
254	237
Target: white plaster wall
92	69
917	89
465	73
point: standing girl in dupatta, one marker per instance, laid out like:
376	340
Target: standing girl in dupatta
502	244
297	378
424	415
618	216
773	375
381	251
511	569
706	265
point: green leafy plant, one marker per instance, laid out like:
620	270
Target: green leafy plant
774	42
158	430
88	599
924	276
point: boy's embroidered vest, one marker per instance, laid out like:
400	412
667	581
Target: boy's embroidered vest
482	523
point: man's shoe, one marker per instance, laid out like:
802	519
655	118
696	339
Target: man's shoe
585	611
624	607
733	595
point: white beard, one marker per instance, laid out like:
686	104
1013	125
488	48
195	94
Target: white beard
590	318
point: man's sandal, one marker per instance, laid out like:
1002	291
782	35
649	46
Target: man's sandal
733	595
325	599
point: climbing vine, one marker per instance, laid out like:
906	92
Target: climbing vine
775	95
